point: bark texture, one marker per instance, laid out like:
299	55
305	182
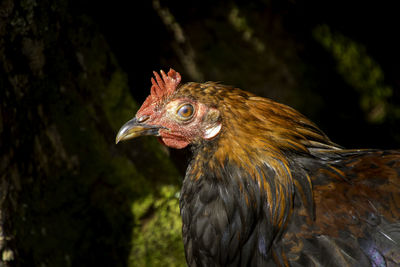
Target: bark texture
66	191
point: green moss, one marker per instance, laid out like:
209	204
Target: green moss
241	24
360	71
118	103
157	230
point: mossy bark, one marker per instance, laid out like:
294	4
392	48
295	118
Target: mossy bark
67	193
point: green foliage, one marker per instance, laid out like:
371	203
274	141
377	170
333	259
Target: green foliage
157	231
359	70
241	24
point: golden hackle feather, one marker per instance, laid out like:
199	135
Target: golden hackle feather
257	132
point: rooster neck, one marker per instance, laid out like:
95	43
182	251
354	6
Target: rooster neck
277	178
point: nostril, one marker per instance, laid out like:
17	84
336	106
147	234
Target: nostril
143	118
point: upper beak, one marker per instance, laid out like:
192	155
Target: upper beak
133	129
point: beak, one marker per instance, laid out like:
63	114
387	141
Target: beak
133	129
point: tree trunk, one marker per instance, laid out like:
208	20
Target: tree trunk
66	191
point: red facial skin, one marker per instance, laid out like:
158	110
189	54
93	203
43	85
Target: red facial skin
176	133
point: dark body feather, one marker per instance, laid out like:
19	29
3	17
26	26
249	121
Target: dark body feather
272	189
356	211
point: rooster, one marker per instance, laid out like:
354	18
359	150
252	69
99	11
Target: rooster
266	187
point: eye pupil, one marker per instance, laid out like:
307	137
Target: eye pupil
185	111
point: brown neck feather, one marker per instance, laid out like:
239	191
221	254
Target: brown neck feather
259	136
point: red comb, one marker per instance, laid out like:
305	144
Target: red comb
165	86
161	88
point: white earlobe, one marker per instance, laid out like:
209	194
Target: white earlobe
212	131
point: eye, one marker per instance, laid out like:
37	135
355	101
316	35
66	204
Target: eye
185	111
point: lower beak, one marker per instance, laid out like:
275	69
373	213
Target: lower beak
133	129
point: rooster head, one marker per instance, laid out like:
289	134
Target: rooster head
177	119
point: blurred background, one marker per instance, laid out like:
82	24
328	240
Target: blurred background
72	72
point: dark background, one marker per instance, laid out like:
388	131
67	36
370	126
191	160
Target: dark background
286	28
72	72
